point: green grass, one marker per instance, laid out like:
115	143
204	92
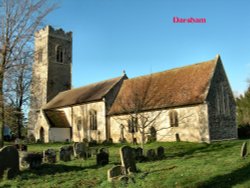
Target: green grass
186	165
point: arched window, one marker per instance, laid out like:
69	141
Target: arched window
173	118
59	54
133	125
92	120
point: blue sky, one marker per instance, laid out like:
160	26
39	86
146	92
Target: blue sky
139	36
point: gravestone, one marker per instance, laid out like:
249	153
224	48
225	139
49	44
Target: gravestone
177	137
127	158
30	160
71	149
65	153
116	172
151	154
139	154
49	156
160	152
81	150
9	160
102	158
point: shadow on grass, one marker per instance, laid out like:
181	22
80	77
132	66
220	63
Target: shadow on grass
227	180
204	149
50	169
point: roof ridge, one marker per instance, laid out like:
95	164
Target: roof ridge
167	83
95	83
178	68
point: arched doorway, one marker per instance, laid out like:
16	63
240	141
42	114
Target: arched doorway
42	134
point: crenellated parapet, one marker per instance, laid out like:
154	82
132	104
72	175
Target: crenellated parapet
59	33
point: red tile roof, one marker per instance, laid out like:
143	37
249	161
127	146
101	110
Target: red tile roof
176	87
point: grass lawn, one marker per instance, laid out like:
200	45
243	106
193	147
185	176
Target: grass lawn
186	165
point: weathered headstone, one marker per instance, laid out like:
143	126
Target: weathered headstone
81	150
244	150
30	160
139	154
127	158
151	154
71	149
160	152
116	172
102	158
9	160
65	153
49	156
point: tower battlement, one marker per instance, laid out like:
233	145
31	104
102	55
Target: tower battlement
59	33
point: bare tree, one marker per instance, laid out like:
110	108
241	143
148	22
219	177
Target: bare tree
19	19
142	104
16	90
139	99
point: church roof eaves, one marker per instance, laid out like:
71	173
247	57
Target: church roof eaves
86	94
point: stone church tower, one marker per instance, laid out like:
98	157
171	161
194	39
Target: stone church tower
51	73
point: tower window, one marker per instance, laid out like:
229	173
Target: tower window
173	117
59	54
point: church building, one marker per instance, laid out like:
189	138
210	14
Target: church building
191	103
